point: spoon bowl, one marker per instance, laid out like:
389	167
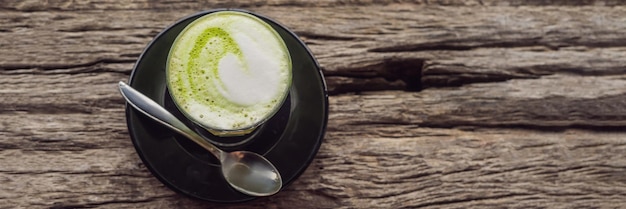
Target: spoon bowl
247	172
251	174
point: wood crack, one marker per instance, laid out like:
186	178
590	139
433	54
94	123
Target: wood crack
56	66
312	35
467	45
49	107
544	128
471	126
392	73
458	45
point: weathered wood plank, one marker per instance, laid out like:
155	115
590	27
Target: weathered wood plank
33	5
391	47
465	168
417	47
422	167
552	102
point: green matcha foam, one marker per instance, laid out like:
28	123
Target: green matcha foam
229	71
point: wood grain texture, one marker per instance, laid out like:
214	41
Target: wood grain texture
33	5
435	104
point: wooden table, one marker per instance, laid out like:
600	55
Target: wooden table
434	104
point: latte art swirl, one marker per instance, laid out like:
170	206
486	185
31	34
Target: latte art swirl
228	70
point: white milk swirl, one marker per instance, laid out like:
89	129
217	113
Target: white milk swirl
228	71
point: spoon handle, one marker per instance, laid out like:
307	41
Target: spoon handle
150	108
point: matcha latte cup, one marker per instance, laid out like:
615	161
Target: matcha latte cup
228	72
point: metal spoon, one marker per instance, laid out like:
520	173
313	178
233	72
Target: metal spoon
247	172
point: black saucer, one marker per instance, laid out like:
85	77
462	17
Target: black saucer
290	139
